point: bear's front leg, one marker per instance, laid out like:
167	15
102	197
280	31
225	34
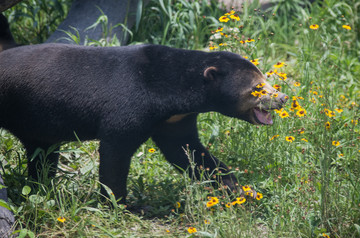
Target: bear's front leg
115	158
172	137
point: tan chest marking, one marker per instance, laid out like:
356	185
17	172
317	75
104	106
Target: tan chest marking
176	118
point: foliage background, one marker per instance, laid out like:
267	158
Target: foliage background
310	187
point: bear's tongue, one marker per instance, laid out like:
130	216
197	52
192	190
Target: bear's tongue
263	116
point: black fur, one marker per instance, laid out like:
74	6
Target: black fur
121	96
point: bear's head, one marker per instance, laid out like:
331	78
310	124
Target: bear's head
240	90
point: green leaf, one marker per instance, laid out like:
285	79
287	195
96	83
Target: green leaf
26	190
138	14
50	203
22	233
357	228
4	204
36	199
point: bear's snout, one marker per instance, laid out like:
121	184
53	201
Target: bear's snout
276	102
283	98
273	99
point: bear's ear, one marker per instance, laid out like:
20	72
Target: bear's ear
210	72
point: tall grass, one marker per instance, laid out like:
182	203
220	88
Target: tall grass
310	184
182	24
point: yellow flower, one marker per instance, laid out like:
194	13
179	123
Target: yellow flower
297	84
327	125
339	110
167	230
259	196
209	204
235	17
336	143
341	155
314	92
295	105
255	61
329	113
279	65
246	188
271	72
223	34
224	19
275	136
282	76
279	110
151	150
290	139
178	205
314	27
284	114
324	235
192	230
242	42
219	29
256	94
249	40
277	87
230	13
213	47
227	132
61	219
303	139
263	92
239	200
347	27
223	44
301	112
228	205
260	85
213	201
207	222
275	95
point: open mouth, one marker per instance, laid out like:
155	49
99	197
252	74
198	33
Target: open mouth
262	116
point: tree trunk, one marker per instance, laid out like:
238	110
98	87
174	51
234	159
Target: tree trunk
6	216
84	13
5	4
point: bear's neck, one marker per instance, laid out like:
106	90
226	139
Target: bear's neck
174	79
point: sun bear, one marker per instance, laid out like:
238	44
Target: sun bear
124	95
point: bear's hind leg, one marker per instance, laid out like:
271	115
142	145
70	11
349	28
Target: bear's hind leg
42	165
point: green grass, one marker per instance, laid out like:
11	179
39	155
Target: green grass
309	187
